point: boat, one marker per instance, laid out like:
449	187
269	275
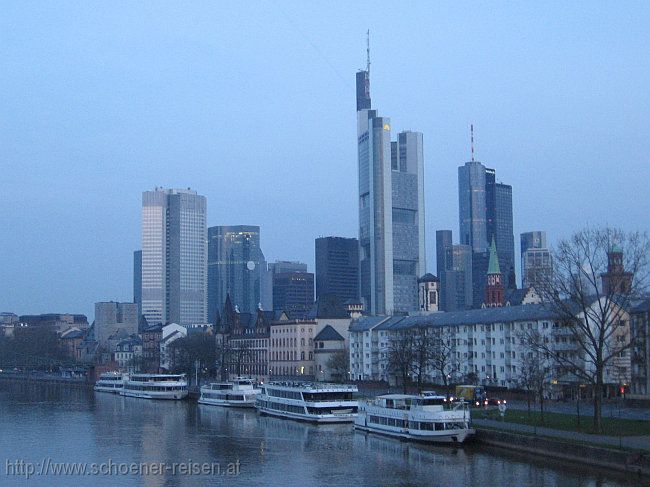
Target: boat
313	402
240	392
426	418
110	382
155	386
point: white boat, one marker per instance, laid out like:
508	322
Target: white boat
237	393
155	386
427	418
110	382
314	402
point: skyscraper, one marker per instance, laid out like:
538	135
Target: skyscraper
536	267
137	280
293	292
337	267
443	242
234	267
174	256
485	212
391	210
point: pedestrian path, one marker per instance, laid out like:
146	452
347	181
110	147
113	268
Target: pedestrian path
635	442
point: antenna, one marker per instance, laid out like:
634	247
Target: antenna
471	131
368	51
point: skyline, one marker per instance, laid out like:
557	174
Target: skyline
86	125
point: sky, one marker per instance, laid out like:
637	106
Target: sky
252	104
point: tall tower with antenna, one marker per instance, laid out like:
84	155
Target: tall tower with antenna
391	208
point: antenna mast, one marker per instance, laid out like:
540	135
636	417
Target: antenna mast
368	51
471	131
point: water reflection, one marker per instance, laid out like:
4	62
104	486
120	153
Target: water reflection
74	424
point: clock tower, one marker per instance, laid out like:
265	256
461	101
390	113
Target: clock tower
494	288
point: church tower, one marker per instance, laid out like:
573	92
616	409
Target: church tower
494	288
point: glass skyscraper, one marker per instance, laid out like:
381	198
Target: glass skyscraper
235	264
337	267
536	263
391	210
174	256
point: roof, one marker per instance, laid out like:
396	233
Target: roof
504	314
493	266
428	277
73	334
641	307
328	306
328	334
516	296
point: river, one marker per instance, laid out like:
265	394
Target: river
45	427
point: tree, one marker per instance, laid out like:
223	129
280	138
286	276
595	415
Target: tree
240	355
535	368
223	352
595	275
423	343
443	355
400	356
339	365
186	352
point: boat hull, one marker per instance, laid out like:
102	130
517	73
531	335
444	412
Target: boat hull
174	396
309	418
227	403
451	437
111	390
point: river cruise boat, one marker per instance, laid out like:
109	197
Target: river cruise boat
155	386
237	393
426	418
110	382
313	402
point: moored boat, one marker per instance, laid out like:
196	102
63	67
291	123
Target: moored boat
110	382
313	402
155	386
240	392
427	418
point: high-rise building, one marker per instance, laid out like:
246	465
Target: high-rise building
503	234
137	279
174	256
391	210
472	205
111	317
454	265
485	212
536	267
293	292
337	267
234	267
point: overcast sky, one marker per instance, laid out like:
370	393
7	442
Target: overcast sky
252	104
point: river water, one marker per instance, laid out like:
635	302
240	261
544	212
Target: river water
206	445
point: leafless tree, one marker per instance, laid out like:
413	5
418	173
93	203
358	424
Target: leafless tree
443	356
400	356
339	364
590	304
535	368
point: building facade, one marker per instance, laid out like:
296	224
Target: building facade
337	267
137	280
485	345
293	292
111	317
391	209
536	263
235	263
174	256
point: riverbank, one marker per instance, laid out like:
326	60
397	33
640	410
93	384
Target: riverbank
45	378
634	461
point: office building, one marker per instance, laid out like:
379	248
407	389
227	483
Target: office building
337	267
137	280
174	256
112	317
391	209
293	292
536	268
235	265
503	232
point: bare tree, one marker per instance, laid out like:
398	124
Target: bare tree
535	368
223	352
401	356
240	355
339	364
444	358
596	274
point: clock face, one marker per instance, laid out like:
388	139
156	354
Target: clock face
250	265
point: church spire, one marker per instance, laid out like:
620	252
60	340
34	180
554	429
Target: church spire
493	266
